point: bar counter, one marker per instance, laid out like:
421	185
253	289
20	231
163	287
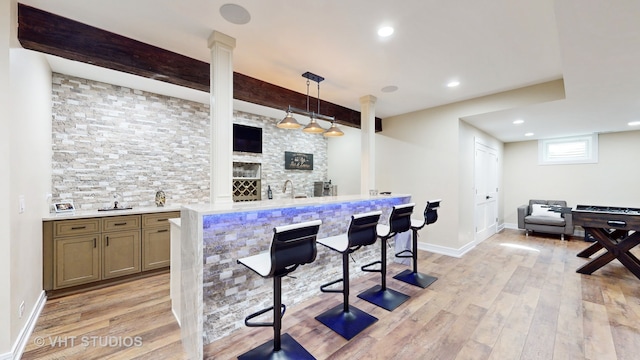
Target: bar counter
216	293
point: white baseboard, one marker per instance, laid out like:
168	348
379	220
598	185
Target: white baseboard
443	250
175	315
25	333
511	226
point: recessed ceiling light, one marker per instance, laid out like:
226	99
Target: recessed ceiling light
235	14
518	122
453	83
634	123
385	31
528	134
389	89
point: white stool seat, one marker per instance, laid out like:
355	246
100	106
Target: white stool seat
383	230
338	243
418	224
260	263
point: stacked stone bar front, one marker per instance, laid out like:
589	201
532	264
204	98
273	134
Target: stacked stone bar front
217	293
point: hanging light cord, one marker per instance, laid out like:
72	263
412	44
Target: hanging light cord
318	97
307	95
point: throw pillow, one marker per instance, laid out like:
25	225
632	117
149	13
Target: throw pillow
543	210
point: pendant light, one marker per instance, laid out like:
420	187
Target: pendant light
289	122
333	131
313	127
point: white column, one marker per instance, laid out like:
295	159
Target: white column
221	117
368	130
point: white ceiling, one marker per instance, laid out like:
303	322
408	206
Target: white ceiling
489	46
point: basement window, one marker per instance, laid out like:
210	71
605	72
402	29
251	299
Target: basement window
568	150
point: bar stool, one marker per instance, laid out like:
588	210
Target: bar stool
344	319
291	246
380	295
414	277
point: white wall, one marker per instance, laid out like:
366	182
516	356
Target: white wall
613	181
343	157
30	176
5	136
417	154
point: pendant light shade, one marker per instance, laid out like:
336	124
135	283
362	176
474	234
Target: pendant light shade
333	131
313	127
289	122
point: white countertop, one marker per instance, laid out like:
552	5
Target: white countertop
82	214
282	203
220	208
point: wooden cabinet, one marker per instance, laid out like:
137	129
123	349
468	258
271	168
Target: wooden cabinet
121	246
156	240
94	251
121	253
76	260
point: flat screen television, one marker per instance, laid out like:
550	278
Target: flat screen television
247	138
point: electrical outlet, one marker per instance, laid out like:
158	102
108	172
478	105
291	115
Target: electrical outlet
21	310
21	204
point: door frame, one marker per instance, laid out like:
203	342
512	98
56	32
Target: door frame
479	145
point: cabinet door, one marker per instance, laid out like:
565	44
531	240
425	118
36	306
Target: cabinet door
121	253
77	260
157	248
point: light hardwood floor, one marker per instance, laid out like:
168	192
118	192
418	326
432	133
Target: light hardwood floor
511	297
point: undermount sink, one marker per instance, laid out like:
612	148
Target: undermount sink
114	209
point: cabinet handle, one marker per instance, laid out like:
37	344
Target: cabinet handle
107	241
163	219
78	227
120	224
94	242
163	230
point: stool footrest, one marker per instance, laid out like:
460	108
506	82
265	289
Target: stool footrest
263	311
366	267
323	288
405	254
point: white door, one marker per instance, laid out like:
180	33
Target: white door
486	191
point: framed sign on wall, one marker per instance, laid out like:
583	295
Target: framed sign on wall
298	161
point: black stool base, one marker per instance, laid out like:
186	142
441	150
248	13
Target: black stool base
289	349
416	278
387	299
347	324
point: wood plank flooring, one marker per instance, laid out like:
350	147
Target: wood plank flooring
511	297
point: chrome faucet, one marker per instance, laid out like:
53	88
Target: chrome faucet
284	189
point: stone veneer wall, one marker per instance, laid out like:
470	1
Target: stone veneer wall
109	140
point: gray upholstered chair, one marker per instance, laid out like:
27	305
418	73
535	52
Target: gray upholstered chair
540	216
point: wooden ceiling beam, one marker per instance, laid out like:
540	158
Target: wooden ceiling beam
52	34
